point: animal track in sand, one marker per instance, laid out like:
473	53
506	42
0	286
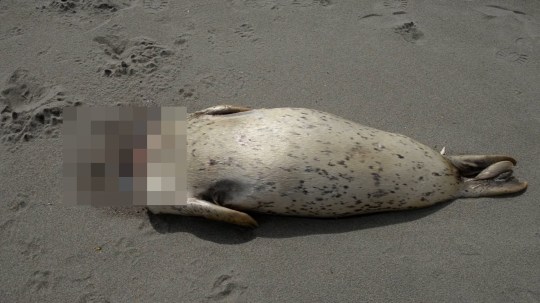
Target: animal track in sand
226	288
517	53
88	6
125	250
30	108
251	4
409	31
188	92
155	5
323	2
395	4
140	55
385	12
182	40
32	248
308	3
20	202
511	56
40	281
246	31
12	32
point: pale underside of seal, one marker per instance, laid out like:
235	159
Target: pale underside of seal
304	162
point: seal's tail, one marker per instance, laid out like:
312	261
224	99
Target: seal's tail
487	175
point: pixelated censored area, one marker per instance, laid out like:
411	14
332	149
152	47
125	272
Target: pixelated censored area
124	156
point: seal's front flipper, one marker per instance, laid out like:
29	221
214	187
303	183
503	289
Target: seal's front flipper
221	110
201	208
472	165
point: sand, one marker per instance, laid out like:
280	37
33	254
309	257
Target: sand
460	74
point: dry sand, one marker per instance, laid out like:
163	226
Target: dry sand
460	74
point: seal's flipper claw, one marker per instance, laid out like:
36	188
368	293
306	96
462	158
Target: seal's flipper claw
221	110
201	208
471	165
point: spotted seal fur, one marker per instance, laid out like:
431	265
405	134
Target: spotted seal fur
304	162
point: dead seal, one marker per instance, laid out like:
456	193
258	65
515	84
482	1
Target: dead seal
304	162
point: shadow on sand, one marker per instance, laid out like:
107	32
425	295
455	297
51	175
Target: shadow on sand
282	226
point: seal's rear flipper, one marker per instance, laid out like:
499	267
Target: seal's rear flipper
201	208
472	165
221	110
491	187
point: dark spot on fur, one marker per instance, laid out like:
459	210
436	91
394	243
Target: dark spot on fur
377	178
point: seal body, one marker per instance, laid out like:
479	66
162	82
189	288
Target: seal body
304	162
294	161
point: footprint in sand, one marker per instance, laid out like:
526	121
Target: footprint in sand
124	249
389	7
124	57
30	107
409	31
155	5
182	41
31	248
88	6
21	202
388	13
40	281
247	32
395	4
226	289
517	53
249	5
188	92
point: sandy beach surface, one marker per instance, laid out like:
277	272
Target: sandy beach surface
459	74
